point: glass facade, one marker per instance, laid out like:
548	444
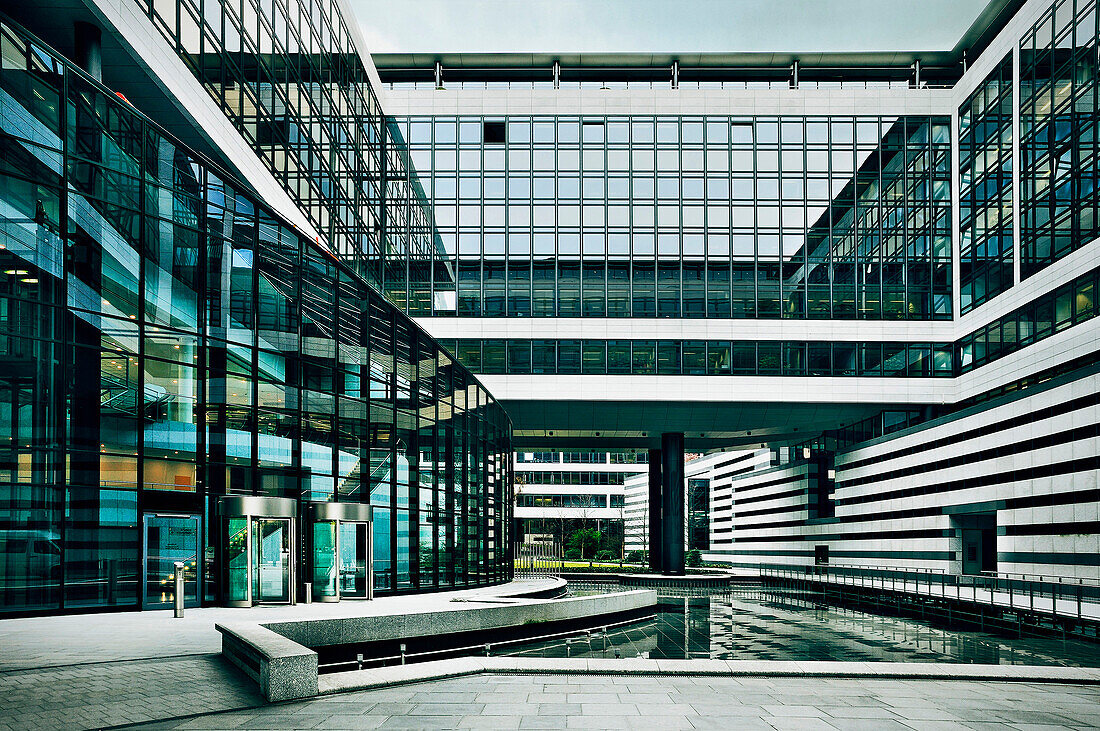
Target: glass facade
289	77
705	357
168	340
985	189
717	216
1071	304
561	501
1058	124
698	514
573	477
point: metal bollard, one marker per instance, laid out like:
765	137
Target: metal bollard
403	650
309	592
179	597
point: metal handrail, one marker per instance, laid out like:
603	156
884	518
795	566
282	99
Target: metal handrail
1017	576
1067	595
485	647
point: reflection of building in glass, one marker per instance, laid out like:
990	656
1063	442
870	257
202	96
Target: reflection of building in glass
292	82
985	189
1058	145
190	377
697	216
698	514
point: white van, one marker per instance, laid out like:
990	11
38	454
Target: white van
29	555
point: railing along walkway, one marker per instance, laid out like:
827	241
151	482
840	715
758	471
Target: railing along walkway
1057	596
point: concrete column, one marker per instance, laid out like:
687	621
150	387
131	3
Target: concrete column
655	506
88	49
672	494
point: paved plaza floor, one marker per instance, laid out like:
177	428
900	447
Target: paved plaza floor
648	702
38	642
149	670
90	671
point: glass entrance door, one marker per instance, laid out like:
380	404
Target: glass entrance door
271	561
354	559
236	561
168	539
326	568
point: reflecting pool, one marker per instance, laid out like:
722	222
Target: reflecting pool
756	623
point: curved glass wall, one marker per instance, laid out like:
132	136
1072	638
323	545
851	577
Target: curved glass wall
166	340
291	80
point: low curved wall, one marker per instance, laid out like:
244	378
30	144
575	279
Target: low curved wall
550	587
657	581
282	657
315	633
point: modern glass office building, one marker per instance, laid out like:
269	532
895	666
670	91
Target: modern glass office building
189	377
882	265
250	327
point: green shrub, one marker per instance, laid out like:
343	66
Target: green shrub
603	555
573	553
636	557
693	558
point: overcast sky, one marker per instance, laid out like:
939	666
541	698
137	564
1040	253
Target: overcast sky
663	26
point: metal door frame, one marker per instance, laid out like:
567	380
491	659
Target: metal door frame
252	508
197	518
340	513
254	558
369	567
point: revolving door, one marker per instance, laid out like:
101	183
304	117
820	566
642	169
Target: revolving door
258	542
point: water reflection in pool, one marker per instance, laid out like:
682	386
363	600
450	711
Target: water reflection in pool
754	623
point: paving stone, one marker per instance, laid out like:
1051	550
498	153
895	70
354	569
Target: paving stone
790	723
489	722
544	721
446	709
430	723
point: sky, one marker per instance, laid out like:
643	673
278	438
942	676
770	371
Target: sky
662	26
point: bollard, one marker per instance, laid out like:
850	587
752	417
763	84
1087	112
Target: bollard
403	653
359	661
309	592
179	597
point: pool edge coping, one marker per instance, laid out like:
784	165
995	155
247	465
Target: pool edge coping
377	678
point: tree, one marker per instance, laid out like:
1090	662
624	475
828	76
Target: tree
586	541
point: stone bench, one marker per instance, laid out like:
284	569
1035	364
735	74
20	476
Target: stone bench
282	668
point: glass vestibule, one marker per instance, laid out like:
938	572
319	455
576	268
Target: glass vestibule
341	551
259	550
